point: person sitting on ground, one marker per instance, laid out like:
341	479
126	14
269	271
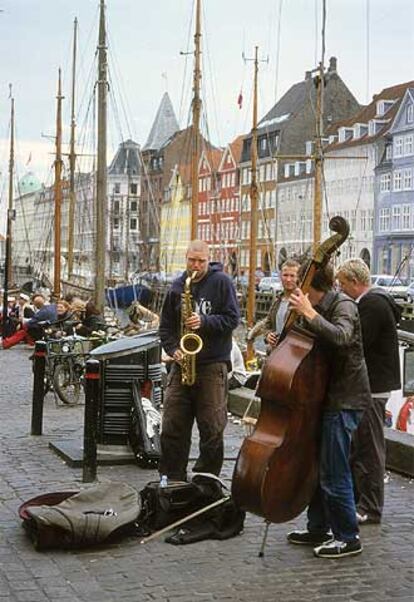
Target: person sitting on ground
33	328
92	322
77	307
65	320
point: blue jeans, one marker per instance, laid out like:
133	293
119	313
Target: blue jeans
333	505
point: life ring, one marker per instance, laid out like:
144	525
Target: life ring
404	416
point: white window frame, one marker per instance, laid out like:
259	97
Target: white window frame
406	217
384	219
385	182
396	217
408	145
407	183
397	180
398	146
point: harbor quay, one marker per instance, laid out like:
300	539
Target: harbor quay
206	571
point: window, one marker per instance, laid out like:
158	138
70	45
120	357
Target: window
133	206
397	180
370	220
385	182
396	217
133	189
363	220
410	113
133	223
408	144
353	219
398	146
384	219
388	152
116	223
117	188
405	217
407	179
116	207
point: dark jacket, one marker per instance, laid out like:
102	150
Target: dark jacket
47	313
268	323
379	315
91	324
215	300
338	333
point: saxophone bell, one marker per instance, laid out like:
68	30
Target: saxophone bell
191	343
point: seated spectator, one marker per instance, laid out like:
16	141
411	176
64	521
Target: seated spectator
92	322
45	313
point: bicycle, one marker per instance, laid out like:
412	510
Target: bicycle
65	366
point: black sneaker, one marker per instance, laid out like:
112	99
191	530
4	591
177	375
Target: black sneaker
338	549
308	538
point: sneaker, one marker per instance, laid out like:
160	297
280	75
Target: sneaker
365	519
307	538
337	549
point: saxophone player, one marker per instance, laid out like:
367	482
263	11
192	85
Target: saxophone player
201	301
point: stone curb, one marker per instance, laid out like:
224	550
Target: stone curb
400	446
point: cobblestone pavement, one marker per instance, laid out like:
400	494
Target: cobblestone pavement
205	571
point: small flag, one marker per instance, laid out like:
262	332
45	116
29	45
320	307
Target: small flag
29	159
240	100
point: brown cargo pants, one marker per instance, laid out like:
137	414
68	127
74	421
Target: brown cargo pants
206	403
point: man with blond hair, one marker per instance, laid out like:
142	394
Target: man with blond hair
214	317
379	315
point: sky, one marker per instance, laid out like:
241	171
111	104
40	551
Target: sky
373	41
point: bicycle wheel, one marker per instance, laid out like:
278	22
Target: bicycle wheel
66	385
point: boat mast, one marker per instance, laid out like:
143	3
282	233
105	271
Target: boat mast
72	158
251	296
101	187
10	217
317	205
196	106
58	191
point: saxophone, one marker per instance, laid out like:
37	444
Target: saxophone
190	342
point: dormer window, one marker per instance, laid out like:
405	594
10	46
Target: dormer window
309	147
360	129
333	138
375	125
383	106
345	134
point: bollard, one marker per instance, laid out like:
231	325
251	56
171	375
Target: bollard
90	428
39	365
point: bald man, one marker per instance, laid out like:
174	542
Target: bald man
215	315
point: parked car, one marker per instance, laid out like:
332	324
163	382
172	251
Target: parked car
271	284
396	286
241	282
410	292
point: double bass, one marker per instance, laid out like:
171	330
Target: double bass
276	472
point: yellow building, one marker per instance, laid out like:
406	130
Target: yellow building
175	227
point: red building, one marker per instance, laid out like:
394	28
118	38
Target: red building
219	202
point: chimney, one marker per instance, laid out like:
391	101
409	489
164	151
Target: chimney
332	64
308	75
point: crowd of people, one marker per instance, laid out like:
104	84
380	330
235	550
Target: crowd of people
28	319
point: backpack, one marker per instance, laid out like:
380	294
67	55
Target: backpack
75	520
162	506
